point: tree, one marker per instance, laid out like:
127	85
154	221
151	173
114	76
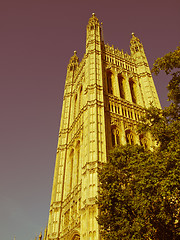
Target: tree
139	189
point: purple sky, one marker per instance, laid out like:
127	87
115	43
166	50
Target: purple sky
37	38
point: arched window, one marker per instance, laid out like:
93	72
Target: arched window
77	161
143	141
129	137
75	106
109	81
121	86
80	98
115	136
76	237
71	168
132	89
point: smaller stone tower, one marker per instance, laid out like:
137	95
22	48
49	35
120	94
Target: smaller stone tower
145	78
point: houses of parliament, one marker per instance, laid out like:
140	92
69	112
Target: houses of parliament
104	97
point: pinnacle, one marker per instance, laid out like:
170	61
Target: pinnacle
93	17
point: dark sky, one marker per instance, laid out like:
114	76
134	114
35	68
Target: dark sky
37	38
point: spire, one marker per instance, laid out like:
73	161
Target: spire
93	23
40	236
74	58
93	35
134	39
93	19
73	62
45	233
102	33
135	45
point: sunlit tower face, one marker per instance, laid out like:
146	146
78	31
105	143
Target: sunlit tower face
104	97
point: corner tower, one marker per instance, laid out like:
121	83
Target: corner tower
145	78
104	97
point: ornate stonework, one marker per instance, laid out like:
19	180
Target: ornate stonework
104	98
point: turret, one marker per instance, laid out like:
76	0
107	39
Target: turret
146	81
40	236
73	62
45	233
93	36
136	46
71	68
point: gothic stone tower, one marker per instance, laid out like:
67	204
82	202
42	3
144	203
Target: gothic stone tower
104	97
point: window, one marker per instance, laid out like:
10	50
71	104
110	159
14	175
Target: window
76	237
143	141
80	98
75	106
109	81
132	89
71	168
77	161
115	136
121	87
129	137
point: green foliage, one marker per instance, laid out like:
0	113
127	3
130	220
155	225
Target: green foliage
168	62
139	189
138	194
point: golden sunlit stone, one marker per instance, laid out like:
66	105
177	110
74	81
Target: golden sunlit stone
104	98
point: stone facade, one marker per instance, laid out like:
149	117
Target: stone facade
104	98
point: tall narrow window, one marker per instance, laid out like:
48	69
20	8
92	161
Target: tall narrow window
132	89
117	138
109	82
113	137
129	137
77	161
121	87
71	169
143	141
80	98
75	106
